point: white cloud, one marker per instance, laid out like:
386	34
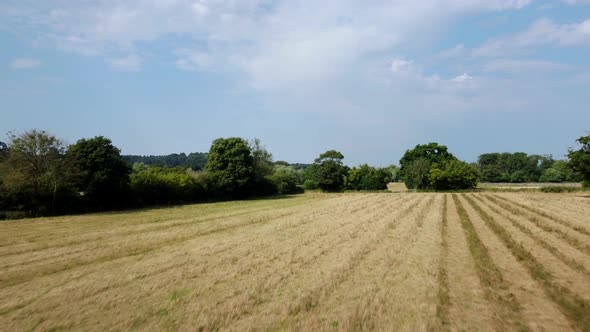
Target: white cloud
399	64
193	60
462	78
25	63
129	63
576	2
274	43
541	33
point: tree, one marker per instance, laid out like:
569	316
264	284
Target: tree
34	173
262	159
366	177
579	160
102	174
453	175
230	166
563	167
415	173
285	179
552	175
330	172
3	150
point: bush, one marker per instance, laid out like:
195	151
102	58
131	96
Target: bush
453	175
367	178
285	183
552	175
156	185
559	189
311	185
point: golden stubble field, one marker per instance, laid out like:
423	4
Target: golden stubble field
401	261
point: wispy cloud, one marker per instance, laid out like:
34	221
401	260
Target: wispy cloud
129	63
543	32
25	63
519	66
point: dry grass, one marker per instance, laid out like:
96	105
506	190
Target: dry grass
401	261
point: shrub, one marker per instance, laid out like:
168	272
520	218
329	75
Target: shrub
367	178
311	185
285	182
453	175
552	175
558	189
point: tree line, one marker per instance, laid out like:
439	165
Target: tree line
41	175
519	167
195	161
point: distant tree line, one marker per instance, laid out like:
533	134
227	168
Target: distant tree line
40	175
519	167
195	161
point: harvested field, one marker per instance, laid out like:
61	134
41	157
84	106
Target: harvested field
378	261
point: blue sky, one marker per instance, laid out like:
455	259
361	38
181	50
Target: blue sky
369	78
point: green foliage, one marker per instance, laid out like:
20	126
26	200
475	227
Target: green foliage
311	185
552	175
415	164
157	185
102	175
330	173
417	173
285	179
262	159
230	166
453	175
35	177
559	189
393	173
513	167
365	177
579	160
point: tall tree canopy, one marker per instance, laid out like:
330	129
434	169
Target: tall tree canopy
415	164
329	171
103	175
580	159
230	165
33	172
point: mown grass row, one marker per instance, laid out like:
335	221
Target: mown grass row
569	261
576	243
442	308
574	307
556	219
495	287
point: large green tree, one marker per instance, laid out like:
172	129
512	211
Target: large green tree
102	176
330	172
230	166
453	175
415	164
34	174
579	160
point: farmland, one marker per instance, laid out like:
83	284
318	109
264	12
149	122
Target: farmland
404	261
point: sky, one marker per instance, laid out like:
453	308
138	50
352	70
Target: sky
369	78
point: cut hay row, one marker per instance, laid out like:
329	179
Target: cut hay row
576	308
411	261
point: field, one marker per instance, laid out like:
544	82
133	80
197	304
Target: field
382	261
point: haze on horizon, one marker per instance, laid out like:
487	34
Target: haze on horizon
368	78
